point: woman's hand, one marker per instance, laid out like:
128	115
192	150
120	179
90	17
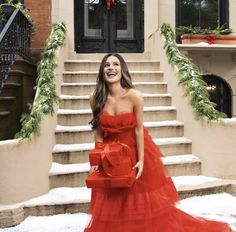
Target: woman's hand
139	165
94	168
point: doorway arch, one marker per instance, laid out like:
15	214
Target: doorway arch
220	93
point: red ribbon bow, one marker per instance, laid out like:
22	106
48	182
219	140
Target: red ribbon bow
114	2
211	39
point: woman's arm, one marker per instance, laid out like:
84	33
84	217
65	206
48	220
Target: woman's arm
138	110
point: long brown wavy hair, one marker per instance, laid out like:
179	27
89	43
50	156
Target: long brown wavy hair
101	91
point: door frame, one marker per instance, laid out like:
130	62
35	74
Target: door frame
106	43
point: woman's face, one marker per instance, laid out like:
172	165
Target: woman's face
112	70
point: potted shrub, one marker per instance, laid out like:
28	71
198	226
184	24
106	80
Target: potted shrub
192	35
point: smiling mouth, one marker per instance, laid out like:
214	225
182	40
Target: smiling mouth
111	74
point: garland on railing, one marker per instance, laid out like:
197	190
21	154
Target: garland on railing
43	104
19	6
189	77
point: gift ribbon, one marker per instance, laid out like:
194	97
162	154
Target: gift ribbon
210	38
105	156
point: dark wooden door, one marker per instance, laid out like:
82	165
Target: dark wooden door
98	30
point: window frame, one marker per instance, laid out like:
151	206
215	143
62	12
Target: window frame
223	17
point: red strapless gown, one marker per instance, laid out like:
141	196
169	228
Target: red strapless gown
149	205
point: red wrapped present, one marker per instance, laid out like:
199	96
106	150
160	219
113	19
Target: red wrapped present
115	170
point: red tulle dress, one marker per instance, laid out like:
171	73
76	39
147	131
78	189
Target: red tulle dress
149	205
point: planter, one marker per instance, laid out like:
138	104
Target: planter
210	39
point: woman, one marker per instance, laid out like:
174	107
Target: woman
149	205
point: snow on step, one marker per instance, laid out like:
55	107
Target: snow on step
171	140
60	169
196	182
156	95
55	223
158	108
66	195
73	147
65	111
180	159
74	97
72	128
60	128
89	146
87	111
63	195
220	203
163	123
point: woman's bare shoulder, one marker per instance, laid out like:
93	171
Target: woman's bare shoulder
135	94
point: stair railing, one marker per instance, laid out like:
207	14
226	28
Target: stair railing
15	39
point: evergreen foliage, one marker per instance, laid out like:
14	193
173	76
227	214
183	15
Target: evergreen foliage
45	83
190	78
204	31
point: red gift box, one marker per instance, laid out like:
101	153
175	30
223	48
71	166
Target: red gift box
99	179
115	166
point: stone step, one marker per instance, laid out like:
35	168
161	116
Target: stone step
174	146
74	175
93	65
10	89
83	117
78	153
5	102
4	114
82	102
72	200
91	76
182	165
84	134
87	88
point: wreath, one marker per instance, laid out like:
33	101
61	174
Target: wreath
109	3
106	3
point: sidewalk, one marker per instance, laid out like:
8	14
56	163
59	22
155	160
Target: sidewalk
218	206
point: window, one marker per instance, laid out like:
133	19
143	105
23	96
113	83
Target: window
202	13
219	93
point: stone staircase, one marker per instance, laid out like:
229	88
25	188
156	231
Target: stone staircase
17	93
74	138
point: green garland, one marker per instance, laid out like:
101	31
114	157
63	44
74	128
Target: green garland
180	30
2	15
45	83
190	78
19	6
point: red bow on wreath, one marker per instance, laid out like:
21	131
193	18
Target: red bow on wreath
114	2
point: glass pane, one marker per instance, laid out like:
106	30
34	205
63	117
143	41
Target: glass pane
92	18
125	21
203	13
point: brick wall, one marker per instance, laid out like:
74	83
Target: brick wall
41	15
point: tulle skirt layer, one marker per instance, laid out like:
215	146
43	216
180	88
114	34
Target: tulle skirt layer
170	220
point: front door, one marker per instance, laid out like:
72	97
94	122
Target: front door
99	30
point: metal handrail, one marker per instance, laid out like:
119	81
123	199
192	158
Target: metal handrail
15	39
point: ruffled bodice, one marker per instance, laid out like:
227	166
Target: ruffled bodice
118	127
